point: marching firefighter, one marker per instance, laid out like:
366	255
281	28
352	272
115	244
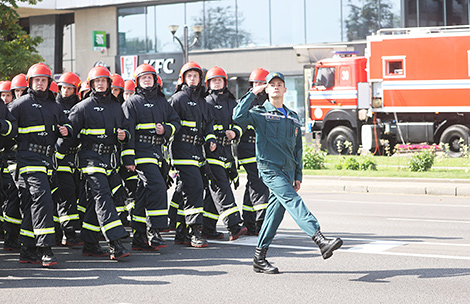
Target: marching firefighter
40	123
219	201
152	122
100	126
84	89
9	201
279	160
18	85
187	151
129	88
117	87
255	199
67	180
5	91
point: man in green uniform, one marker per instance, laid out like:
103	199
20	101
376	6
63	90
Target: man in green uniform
279	160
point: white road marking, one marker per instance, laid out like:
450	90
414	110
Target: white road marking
427	220
368	246
394	203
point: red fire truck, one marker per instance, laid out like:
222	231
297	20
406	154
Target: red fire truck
412	86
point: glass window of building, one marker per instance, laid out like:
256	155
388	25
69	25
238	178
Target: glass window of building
287	22
131	30
323	21
172	14
253	23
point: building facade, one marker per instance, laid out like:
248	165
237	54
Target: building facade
237	35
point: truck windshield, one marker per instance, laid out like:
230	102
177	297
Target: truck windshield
325	77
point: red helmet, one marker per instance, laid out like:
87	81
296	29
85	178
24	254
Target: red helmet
54	87
71	79
216	72
19	82
159	81
190	65
143	69
5	86
84	86
258	75
39	69
129	85
117	81
97	72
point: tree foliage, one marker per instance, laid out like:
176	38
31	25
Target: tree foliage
222	28
17	48
368	17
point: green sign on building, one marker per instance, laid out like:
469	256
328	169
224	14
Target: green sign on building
99	41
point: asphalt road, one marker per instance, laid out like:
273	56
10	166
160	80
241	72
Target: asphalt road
397	249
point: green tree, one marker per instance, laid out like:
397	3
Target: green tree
222	28
368	16
17	48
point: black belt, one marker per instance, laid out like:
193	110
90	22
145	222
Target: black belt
151	139
193	139
103	149
224	141
37	148
72	150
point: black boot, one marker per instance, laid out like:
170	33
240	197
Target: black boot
71	239
196	238
117	250
47	257
155	238
140	242
327	246
12	242
260	264
236	231
29	255
94	250
181	235
251	228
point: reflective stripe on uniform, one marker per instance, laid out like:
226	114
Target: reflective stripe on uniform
218	127
211	215
128	152
210	136
115	189
174	205
187	123
81	208
217	162
193	211
44	231
247	160
93	131
260	206
147	160
228	212
64	169
91	170
10	127
146	126
130	206
59	155
240	130
31	169
248	208
120	209
157	212
173	128
56	219
32	129
12	220
186	162
69	217
112	225
27	233
139	219
90	227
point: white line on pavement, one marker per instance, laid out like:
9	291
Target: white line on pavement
427	220
394	203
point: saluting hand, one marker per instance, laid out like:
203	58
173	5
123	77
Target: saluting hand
258	89
121	134
160	129
63	130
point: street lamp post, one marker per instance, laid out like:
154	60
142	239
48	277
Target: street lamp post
185	46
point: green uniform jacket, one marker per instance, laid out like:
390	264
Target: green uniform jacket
278	139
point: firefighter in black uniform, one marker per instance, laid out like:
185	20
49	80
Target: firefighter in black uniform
100	126
219	201
255	199
67	180
152	122
40	123
9	207
187	150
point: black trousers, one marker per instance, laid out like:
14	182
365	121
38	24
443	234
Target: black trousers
192	193
37	227
11	205
66	200
151	199
219	201
255	198
101	214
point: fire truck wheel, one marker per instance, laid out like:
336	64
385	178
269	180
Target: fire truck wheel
342	140
455	137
